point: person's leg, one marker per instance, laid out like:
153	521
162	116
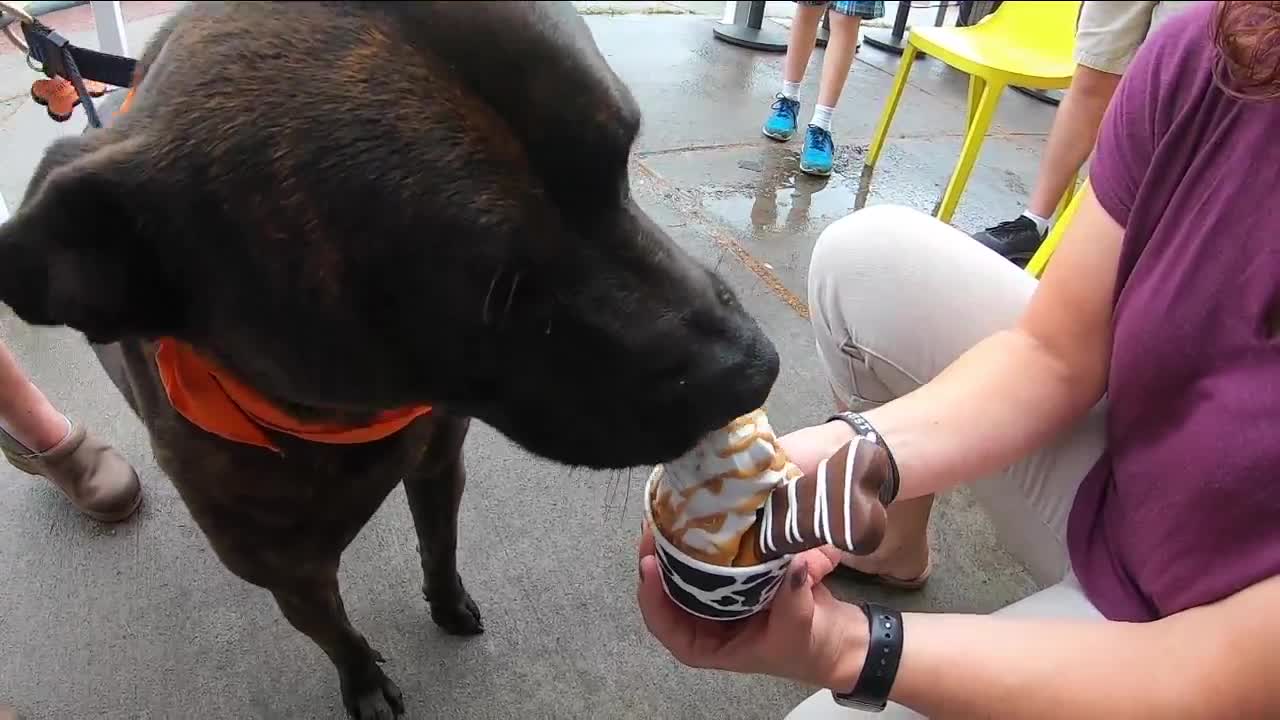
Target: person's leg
842	45
39	440
781	123
818	154
945	295
1071	139
800	44
1108	35
25	413
895	296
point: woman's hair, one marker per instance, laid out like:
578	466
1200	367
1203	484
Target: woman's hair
1247	35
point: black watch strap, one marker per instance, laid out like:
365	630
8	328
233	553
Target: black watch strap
863	428
884	651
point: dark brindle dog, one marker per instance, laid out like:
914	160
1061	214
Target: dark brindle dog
355	209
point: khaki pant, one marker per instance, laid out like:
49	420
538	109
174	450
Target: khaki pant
1110	32
896	296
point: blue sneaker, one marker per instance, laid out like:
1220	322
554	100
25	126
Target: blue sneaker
781	125
819	152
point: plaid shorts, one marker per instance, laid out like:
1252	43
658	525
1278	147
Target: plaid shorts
865	9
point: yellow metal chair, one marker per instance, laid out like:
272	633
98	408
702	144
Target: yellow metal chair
1028	43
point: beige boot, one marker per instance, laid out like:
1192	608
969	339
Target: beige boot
8	713
96	478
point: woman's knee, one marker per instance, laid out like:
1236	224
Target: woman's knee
896	294
865	250
866	265
860	276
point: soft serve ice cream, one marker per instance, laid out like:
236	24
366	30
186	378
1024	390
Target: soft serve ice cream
707	502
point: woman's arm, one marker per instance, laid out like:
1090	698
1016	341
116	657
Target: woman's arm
1019	388
1214	661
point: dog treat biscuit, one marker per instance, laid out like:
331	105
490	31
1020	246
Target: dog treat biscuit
709	500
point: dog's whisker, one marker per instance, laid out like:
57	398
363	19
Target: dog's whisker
617	488
626	499
608	497
488	298
511	296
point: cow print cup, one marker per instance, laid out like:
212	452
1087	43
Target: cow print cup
712	591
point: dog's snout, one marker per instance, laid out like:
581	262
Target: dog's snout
733	369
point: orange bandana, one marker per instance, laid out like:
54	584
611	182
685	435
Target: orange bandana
219	404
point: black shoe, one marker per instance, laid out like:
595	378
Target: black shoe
1016	240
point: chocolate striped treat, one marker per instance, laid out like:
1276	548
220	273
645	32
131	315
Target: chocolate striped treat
840	505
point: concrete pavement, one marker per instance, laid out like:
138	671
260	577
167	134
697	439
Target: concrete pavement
141	621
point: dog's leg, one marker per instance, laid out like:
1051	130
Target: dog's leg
435	492
314	607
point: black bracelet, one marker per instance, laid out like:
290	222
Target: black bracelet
863	428
880	669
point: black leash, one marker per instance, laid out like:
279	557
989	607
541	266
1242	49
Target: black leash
59	57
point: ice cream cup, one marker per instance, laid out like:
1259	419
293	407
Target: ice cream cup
709	591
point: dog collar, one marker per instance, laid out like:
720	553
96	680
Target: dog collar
218	403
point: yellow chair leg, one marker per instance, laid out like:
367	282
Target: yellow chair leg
976	86
1038	262
973	138
891	106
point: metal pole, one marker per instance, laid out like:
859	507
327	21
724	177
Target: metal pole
753	34
895	40
110	25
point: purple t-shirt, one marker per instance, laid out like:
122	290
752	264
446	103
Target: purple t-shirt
1183	508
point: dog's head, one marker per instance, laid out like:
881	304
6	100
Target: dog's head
365	207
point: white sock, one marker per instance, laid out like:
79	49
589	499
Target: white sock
791	90
822	117
1042	224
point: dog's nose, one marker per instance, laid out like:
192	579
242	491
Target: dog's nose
735	376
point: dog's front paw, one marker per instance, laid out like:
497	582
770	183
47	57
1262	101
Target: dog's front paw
369	694
454	610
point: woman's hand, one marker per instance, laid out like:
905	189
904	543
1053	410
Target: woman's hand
806	634
807	447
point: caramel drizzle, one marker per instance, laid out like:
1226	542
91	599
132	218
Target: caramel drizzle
780	462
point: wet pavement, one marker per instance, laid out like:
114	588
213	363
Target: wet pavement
141	621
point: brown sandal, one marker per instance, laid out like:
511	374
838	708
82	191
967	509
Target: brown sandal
93	476
888	581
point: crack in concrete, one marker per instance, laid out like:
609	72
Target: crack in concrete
864	141
9	107
694	148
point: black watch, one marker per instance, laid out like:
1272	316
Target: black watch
863	428
884	650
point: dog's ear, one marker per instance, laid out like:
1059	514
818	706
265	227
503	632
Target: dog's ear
76	252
